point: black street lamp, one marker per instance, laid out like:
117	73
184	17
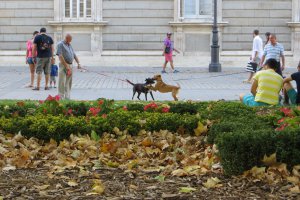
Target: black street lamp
215	65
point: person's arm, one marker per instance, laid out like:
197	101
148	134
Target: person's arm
164	49
26	54
262	60
283	62
288	79
77	60
34	49
254	87
176	50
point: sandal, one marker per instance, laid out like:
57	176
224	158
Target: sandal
36	89
29	86
47	88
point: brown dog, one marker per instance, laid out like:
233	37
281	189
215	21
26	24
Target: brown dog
164	88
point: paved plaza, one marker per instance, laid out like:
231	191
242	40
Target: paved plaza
196	83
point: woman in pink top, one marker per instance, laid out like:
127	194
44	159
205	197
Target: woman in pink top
168	53
30	59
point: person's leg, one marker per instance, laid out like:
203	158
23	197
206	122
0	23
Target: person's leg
47	71
39	71
68	86
61	81
32	71
172	64
164	66
290	93
242	97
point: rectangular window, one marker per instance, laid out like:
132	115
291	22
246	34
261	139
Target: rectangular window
79	9
197	8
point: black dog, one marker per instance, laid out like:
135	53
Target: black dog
141	88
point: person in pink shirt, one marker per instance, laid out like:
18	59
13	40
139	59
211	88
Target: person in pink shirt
30	59
168	53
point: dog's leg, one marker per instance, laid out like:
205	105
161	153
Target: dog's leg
134	91
151	95
146	93
174	93
139	95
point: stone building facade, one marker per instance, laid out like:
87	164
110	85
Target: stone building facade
139	26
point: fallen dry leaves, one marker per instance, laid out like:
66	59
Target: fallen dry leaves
163	153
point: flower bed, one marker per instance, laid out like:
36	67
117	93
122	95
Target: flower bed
243	135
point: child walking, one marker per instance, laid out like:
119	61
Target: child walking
54	73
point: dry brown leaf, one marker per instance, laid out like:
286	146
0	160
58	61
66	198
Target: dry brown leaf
97	188
295	189
42	187
147	142
179	172
201	129
212	183
296	171
72	183
9	168
269	160
292	179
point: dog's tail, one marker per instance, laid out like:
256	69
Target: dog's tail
128	81
178	86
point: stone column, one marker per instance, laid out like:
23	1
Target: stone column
58	34
96	40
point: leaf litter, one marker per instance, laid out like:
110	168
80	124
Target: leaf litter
158	165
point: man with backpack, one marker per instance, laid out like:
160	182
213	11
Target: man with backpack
43	44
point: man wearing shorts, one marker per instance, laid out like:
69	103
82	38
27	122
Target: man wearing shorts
43	44
292	94
265	87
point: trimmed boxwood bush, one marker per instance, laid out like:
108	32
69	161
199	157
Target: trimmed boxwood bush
241	150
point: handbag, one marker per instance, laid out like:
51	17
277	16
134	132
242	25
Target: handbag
167	50
251	67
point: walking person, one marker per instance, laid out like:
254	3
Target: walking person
43	44
257	53
30	57
66	55
53	74
276	51
168	53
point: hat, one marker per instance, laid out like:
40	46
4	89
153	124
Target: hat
169	33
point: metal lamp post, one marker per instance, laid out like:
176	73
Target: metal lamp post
215	65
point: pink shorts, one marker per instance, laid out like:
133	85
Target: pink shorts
169	56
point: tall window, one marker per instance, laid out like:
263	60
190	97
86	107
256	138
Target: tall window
78	9
197	8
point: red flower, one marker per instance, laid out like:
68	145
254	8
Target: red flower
70	111
45	111
104	115
41	102
95	111
281	120
281	128
151	105
101	102
287	111
165	110
125	108
57	98
50	98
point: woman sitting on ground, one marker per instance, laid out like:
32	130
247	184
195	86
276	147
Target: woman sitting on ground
265	87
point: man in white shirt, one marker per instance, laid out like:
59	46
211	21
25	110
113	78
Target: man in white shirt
257	53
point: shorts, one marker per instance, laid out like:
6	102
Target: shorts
43	64
169	56
52	78
249	100
292	94
30	61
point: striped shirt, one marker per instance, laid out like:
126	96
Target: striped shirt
273	51
269	86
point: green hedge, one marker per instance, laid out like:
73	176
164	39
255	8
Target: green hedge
61	127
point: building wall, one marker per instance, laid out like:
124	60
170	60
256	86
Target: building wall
136	24
19	19
245	16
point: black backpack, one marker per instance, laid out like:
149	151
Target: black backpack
45	43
